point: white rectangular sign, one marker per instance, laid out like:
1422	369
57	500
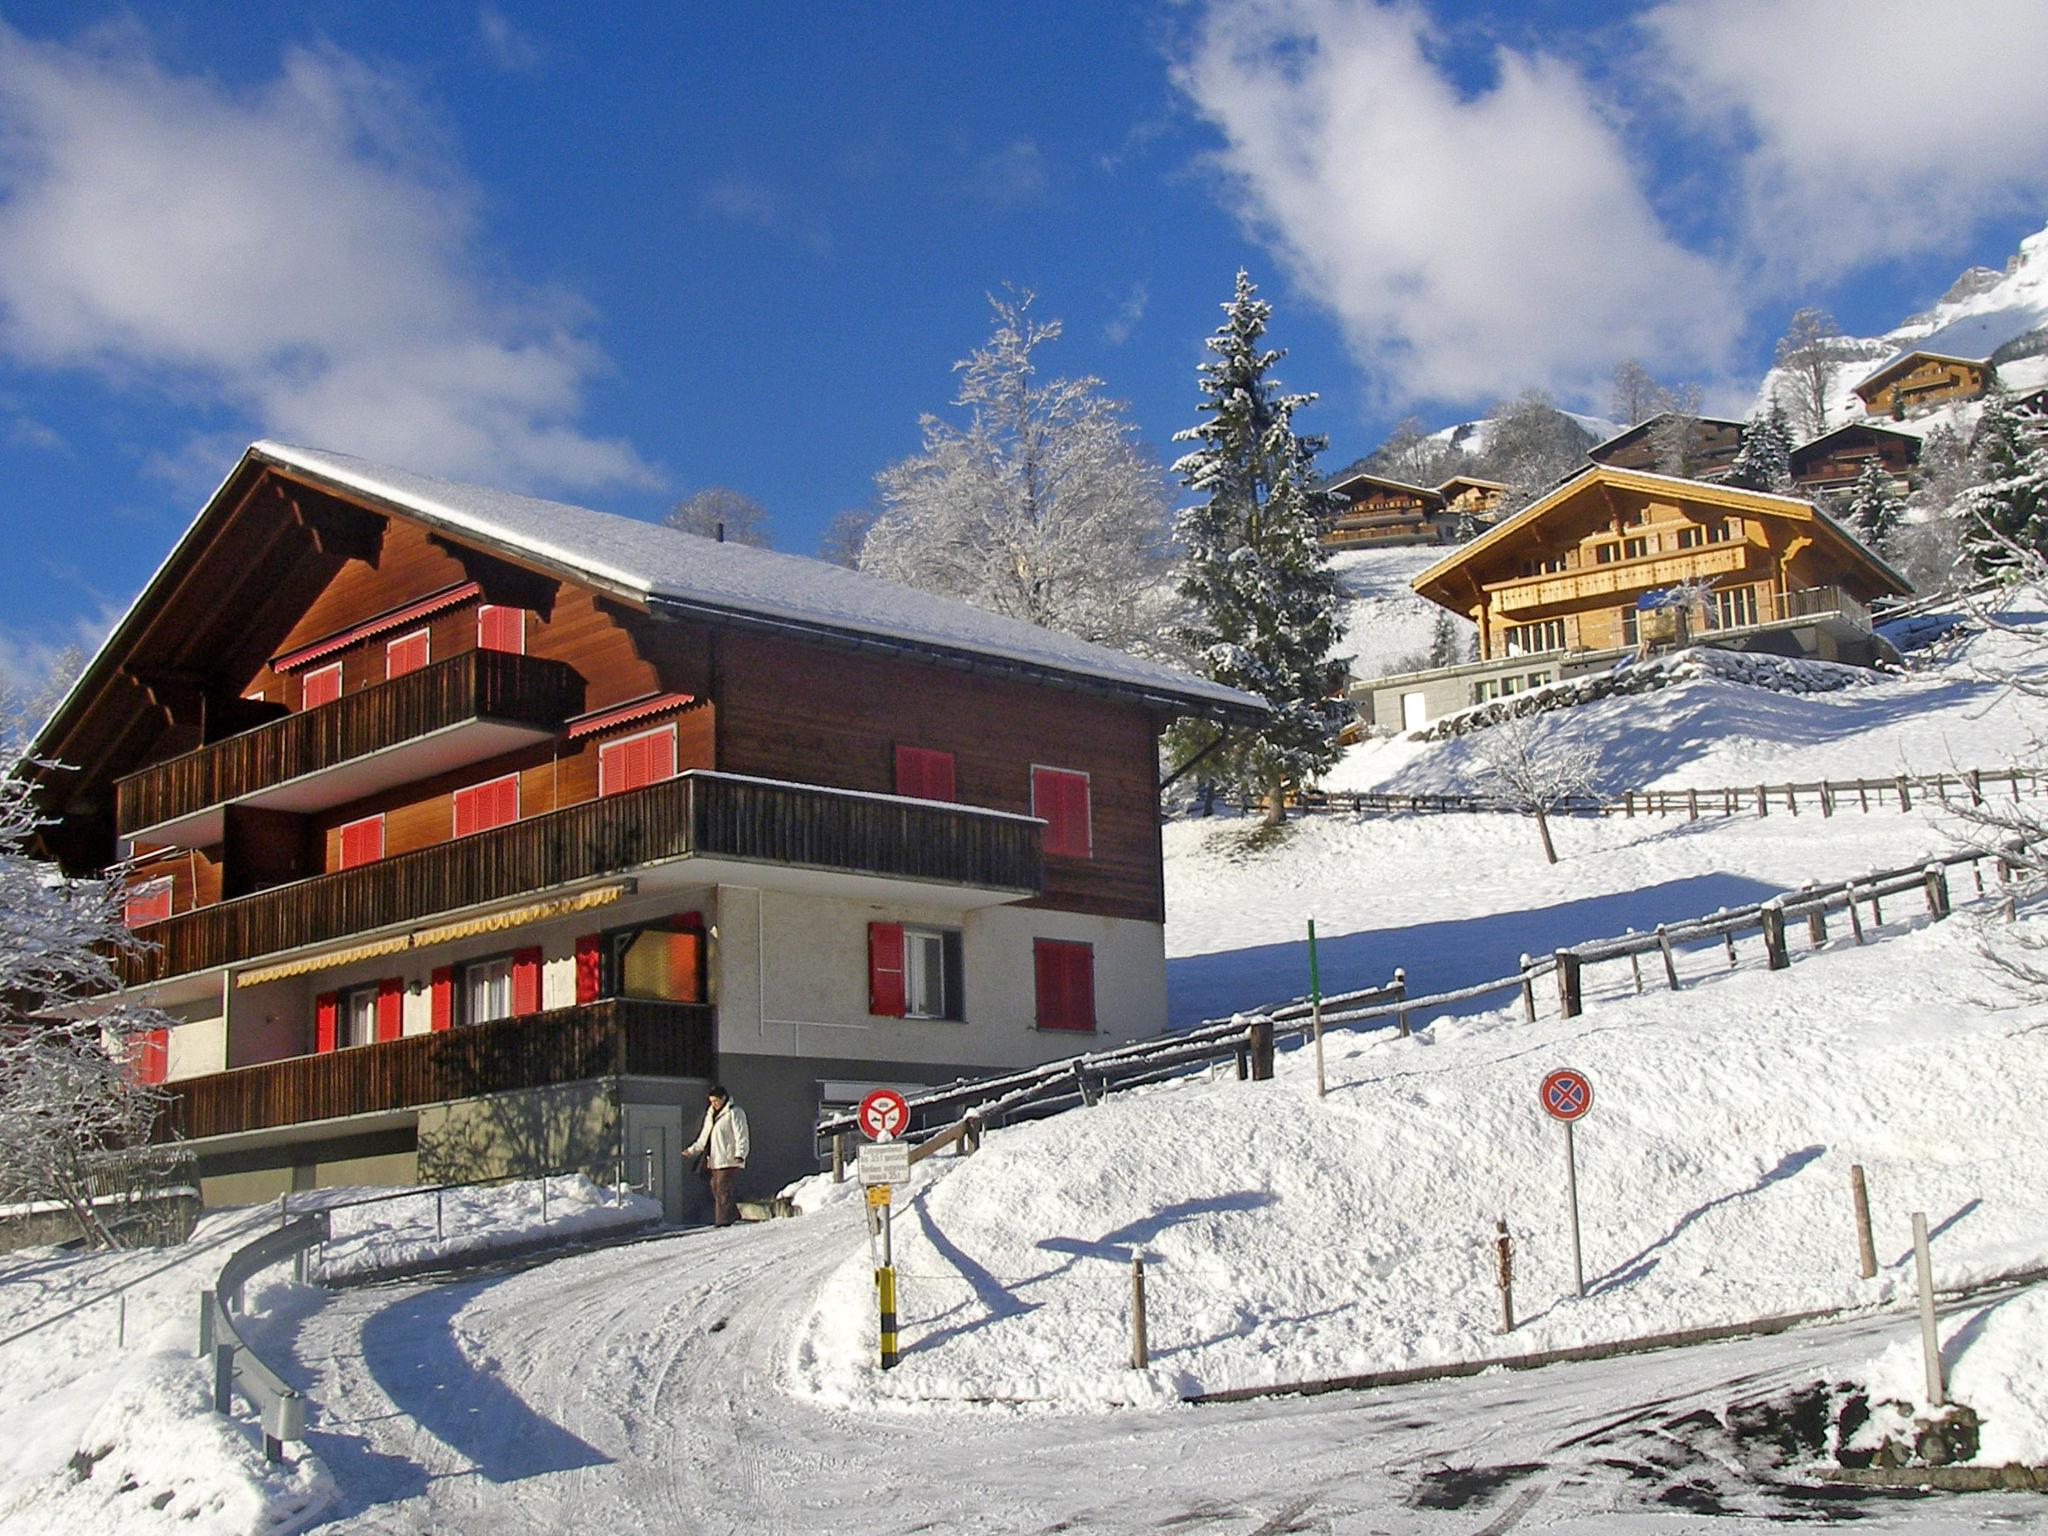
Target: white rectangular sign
885	1162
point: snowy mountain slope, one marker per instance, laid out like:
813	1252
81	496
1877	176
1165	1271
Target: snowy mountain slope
1470	436
1981	312
1384	625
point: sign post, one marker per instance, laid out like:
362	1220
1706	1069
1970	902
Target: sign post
1315	1004
1566	1095
884	1163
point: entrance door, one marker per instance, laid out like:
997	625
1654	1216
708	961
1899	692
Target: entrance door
651	1152
1414	714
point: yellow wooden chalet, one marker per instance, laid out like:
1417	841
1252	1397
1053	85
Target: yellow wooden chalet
1567	573
1914	380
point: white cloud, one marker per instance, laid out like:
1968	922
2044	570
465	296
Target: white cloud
1011	176
1860	130
1470	244
504	44
306	247
741	199
1128	314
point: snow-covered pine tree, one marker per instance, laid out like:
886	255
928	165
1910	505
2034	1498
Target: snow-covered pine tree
2008	506
1262	599
1873	509
1764	461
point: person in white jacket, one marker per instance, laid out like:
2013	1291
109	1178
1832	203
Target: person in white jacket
723	1143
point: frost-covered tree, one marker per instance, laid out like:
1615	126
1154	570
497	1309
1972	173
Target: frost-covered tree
1678	441
1043	506
1810	356
1262	599
2007	507
1637	396
840	543
1929	546
1532	771
720	512
1873	509
1411	455
68	1092
1530	446
1764	461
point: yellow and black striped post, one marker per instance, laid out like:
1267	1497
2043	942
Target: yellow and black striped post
885	1296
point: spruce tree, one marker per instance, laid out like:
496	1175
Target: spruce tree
2006	511
1874	510
1764	461
1262	598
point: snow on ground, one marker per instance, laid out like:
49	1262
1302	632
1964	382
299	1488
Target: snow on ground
1385	626
1994	1358
1290	1239
429	1228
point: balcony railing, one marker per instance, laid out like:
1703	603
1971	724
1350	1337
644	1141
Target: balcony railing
1817	602
699	814
478	685
619	1036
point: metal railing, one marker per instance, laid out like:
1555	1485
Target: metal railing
280	1407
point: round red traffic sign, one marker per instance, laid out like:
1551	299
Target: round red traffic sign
1566	1094
882	1115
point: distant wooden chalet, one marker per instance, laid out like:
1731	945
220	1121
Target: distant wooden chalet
2033	402
1379	510
1835	461
474	833
1914	381
1710	446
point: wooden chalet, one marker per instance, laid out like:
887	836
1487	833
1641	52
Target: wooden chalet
1377	510
1915	380
473	833
1835	461
1469	496
1567	572
1711	445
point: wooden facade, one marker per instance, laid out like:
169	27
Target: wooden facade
1697	447
1835	462
1917	380
1377	510
335	729
1568	572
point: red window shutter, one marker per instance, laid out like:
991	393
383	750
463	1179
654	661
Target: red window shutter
661	756
150	1056
924	773
636	761
1060	797
589	968
149	903
390	1009
467	819
1066	984
408	653
501	629
362	842
482	806
885	970
1074	811
525	981
505	801
444	996
320	687
325	1008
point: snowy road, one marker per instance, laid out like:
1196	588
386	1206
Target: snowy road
637	1390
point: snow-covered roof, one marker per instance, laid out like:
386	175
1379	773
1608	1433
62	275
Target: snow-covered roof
668	568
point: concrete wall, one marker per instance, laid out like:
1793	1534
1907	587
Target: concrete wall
263	1173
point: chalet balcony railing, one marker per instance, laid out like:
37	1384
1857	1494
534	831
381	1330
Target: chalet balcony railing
618	1036
1812	602
701	814
476	685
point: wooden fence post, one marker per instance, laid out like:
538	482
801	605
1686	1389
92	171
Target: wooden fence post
1728	938
839	1157
1976	784
1937	892
1773	923
1859	1199
1863	795
1568	993
1692	805
1855	917
1763	807
1528	992
1141	1356
1629	801
1792	798
1401	998
1816	919
1905	794
1259	1042
1670	964
1504	1274
1827	800
1635	965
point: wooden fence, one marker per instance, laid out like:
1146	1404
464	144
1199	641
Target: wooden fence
1976	787
1083	1079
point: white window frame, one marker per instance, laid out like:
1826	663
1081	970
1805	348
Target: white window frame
422	633
1086	778
308	676
501	968
501	608
674	761
351	1022
930	949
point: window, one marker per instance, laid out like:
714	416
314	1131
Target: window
1692	536
487	990
1735	608
1634	549
1066	984
1060	796
149	902
408	653
914	972
362	842
1526	639
924	774
501	629
149	1053
1606	554
359	1016
633	762
1723	532
320	686
494	803
1630	627
664	961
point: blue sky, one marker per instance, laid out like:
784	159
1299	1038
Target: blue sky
624	253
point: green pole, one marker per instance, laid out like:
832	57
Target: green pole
1315	1003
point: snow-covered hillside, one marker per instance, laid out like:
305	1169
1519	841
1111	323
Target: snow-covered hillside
1470	436
1384	626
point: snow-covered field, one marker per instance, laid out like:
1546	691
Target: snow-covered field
1385	625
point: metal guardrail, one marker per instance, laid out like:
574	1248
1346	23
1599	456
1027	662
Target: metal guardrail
280	1407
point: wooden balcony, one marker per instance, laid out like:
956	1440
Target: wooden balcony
618	1036
472	706
699	815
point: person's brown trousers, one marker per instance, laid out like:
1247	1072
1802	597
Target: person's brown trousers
724	1204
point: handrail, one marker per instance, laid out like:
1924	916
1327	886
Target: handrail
279	1405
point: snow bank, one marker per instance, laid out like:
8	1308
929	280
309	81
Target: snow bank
402	1233
1995	1360
1289	1238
